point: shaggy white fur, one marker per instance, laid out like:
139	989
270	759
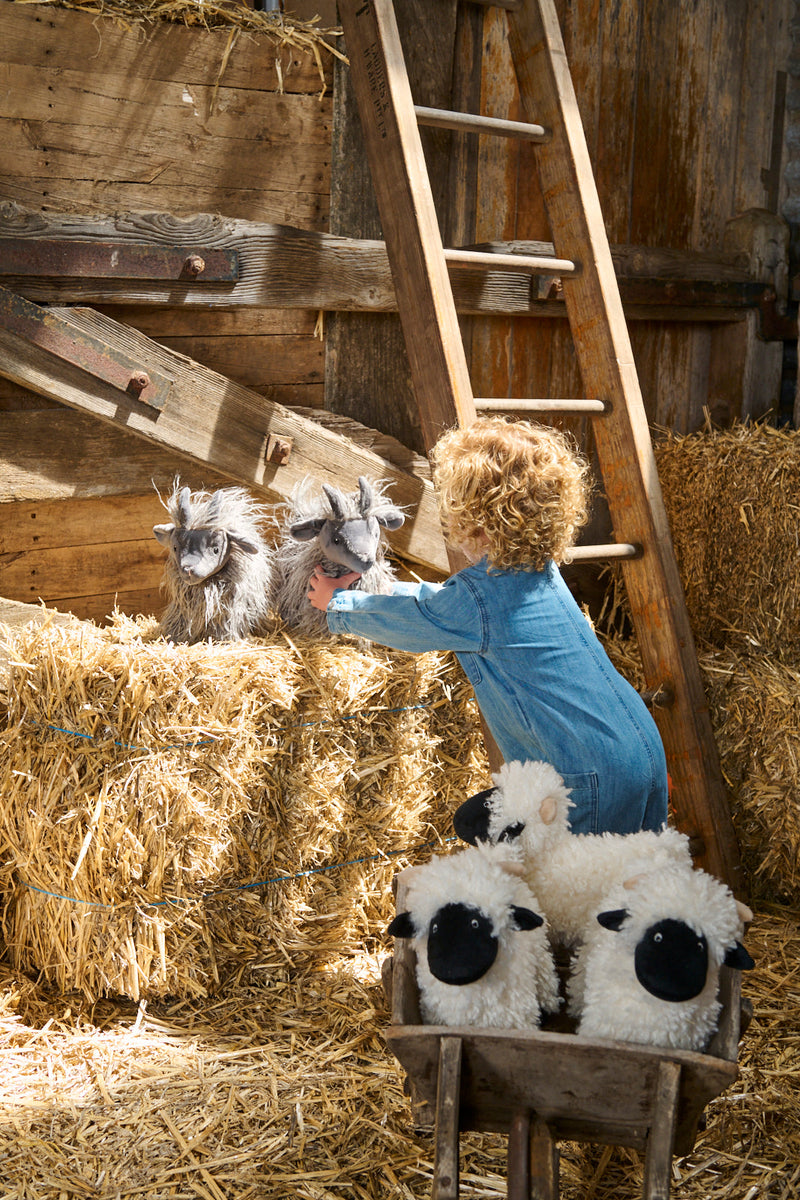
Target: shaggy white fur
522	982
570	873
604	985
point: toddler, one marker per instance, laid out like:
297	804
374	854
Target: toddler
512	496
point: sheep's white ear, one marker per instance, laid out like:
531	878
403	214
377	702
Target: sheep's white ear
243	543
745	913
548	810
402	926
306	531
163	533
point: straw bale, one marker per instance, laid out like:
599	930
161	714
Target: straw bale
173	814
754	704
287	1090
733	501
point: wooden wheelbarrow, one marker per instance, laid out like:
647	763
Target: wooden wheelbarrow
540	1087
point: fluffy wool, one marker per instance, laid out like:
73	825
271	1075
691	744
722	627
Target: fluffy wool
522	983
604	987
234	602
569	873
295	560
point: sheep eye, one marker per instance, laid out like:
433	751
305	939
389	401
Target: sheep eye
486	804
474	923
434	928
658	937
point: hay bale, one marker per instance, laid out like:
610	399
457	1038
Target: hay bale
754	705
733	501
172	813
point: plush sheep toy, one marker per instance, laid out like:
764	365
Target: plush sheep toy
569	873
650	972
218	574
483	956
342	532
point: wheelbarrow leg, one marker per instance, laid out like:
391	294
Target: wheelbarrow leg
448	1094
660	1140
532	1160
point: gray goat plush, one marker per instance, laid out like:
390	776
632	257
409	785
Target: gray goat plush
218	575
342	532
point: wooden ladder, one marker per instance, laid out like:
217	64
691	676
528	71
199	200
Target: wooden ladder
582	260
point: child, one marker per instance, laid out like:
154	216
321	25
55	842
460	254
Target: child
512	495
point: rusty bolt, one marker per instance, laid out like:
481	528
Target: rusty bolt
278	450
138	382
194	265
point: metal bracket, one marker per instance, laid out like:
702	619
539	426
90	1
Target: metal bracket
47	258
54	334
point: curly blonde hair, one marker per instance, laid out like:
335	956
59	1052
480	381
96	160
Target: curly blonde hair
512	490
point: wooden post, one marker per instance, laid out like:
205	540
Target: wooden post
448	1095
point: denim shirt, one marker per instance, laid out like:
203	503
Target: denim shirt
543	682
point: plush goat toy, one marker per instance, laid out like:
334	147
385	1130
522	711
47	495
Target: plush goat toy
569	873
218	575
650	971
483	956
342	532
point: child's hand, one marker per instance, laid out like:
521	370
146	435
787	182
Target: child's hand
321	586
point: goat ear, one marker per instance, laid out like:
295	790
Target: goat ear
163	533
336	501
737	956
613	919
525	918
402	926
305	531
243	543
390	518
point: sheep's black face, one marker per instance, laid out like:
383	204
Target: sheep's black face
471	819
461	945
199	553
671	961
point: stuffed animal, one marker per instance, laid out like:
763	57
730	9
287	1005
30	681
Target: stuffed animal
569	873
483	956
649	973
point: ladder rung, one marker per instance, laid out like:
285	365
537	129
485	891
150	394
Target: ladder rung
611	550
511	262
543	406
442	118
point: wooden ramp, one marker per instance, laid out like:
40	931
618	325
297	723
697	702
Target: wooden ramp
582	260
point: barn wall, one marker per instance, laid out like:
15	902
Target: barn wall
103	117
678	103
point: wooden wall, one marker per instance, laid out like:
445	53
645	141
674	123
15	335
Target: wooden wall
677	102
103	117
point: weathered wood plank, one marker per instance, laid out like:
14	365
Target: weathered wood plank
60	571
142	130
223	425
57	38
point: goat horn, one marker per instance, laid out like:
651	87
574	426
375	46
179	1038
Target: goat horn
184	505
336	501
365	495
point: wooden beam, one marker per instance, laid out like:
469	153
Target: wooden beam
222	425
282	267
